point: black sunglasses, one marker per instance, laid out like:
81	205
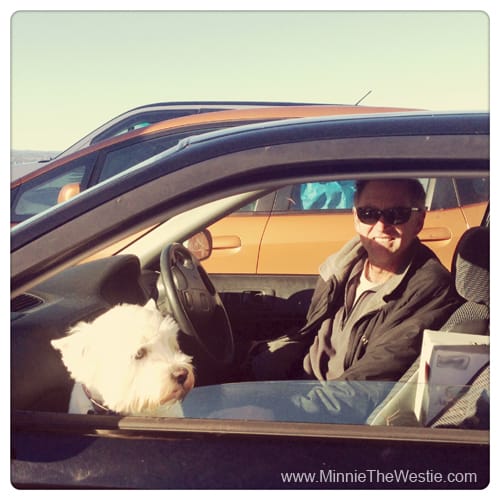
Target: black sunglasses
395	215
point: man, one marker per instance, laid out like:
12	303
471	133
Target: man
374	297
364	327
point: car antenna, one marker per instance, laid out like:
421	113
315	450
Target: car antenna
367	94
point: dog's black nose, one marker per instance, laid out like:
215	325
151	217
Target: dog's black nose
180	375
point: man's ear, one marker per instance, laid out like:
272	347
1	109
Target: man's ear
357	222
421	221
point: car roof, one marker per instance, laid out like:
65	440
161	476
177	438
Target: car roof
212	118
412	122
169	110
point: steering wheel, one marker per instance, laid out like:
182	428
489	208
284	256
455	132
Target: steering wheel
195	303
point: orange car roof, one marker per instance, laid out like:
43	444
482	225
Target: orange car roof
267	113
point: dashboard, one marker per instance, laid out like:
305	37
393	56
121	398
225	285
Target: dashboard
81	293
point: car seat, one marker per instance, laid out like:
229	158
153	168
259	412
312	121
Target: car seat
470	269
472	280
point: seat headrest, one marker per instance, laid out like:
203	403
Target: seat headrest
471	265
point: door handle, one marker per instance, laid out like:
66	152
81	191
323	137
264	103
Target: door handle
435	234
225	242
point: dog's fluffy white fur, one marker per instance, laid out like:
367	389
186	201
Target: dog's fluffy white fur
129	360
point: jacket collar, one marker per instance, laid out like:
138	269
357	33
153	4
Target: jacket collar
340	265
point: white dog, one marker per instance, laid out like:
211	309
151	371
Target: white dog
127	361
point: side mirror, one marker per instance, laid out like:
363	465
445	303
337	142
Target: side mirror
200	244
68	191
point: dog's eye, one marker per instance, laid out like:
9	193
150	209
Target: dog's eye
140	353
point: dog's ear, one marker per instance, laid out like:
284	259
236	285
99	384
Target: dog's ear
151	305
73	350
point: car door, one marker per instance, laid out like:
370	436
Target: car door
309	222
473	196
237	238
454	205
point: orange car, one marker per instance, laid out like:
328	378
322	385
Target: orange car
65	177
294	229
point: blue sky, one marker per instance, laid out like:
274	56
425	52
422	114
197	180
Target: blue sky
71	71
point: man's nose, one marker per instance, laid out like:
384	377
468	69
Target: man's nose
381	223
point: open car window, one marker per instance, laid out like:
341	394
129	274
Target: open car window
262	309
